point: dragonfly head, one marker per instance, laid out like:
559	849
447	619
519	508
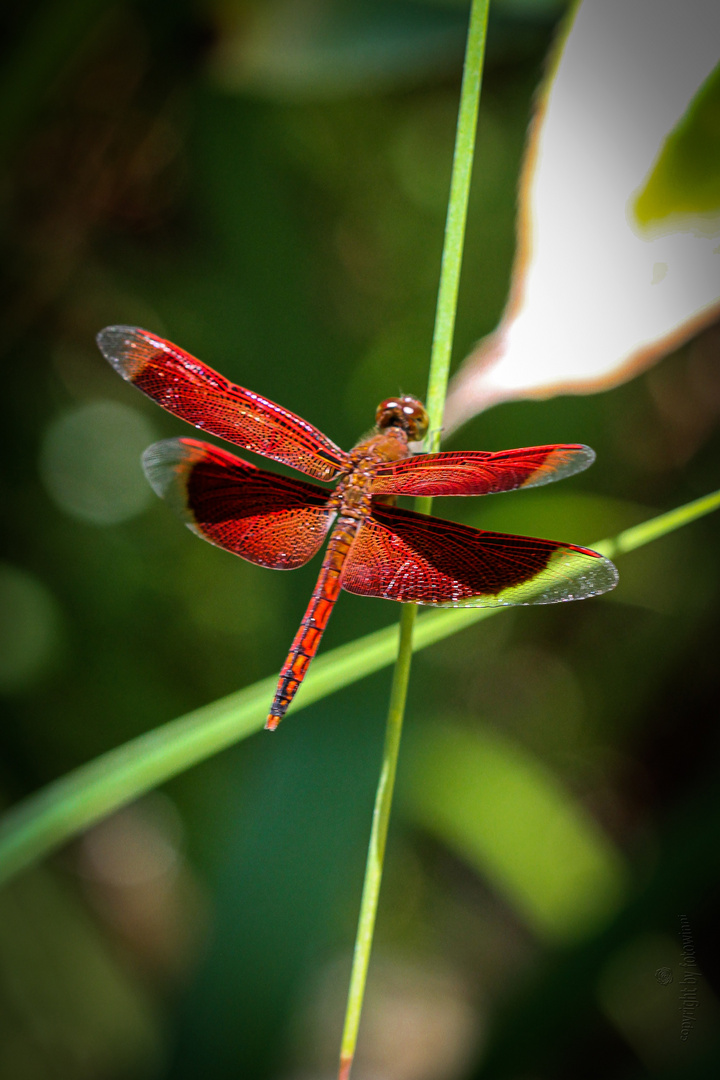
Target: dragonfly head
404	412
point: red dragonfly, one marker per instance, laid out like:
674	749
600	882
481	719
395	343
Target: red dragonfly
375	548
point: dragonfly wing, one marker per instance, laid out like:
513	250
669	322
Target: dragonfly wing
268	519
194	392
481	472
405	556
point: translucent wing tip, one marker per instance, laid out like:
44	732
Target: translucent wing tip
571	574
592	575
167	465
583	457
125	347
561	462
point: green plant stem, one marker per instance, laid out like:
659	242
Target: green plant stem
435	403
35	827
654	528
378	838
455	222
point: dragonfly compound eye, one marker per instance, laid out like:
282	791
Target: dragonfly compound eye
405	412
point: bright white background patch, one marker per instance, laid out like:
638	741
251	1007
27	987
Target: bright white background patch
595	295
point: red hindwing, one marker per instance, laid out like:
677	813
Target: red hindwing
268	519
401	555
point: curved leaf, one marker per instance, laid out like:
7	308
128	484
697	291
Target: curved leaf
600	291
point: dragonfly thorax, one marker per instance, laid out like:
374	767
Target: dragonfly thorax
405	412
352	495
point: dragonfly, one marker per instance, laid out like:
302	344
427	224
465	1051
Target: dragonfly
375	548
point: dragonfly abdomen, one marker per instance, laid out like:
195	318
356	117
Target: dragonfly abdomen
315	619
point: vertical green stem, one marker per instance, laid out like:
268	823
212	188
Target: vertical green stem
378	837
437	386
455	222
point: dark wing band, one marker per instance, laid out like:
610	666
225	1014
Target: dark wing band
411	557
267	519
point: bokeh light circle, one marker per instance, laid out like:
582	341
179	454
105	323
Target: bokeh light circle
90	462
29	628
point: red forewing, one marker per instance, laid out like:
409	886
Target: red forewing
193	391
268	519
478	472
411	557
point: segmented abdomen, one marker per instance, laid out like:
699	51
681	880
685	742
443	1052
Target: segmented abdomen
315	618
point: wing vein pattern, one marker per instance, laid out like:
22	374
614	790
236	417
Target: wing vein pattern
401	555
196	393
268	519
480	472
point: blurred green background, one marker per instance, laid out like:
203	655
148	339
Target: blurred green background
265	184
